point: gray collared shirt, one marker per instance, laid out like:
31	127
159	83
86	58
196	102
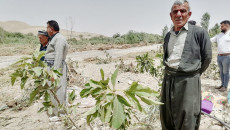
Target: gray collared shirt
176	46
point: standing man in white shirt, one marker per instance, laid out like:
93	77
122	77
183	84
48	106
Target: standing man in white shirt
223	59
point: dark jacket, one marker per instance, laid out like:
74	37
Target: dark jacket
43	48
197	53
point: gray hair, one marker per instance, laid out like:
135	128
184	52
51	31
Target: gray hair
180	2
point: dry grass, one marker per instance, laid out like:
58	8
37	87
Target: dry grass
17	49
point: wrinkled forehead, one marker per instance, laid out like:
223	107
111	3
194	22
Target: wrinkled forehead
180	6
41	36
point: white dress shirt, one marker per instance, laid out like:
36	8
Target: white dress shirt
223	42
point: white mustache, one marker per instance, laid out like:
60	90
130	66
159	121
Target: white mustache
180	18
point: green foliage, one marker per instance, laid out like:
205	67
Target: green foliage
214	30
16	37
112	107
71	97
130	38
33	68
116	35
36	70
135	37
144	63
205	20
107	60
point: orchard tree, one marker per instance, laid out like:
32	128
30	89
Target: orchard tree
214	30
205	20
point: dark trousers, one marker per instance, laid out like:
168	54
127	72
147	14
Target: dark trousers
181	96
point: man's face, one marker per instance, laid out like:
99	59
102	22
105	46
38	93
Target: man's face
224	28
49	30
180	15
43	39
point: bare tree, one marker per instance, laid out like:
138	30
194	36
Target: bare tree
70	23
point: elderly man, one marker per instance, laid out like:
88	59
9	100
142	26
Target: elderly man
55	57
187	54
44	39
223	59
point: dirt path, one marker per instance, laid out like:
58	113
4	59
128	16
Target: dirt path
80	56
6	61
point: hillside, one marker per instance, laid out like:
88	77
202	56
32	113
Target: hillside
17	26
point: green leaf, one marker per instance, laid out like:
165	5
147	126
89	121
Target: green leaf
145	91
88	119
23	82
42	53
23	59
109	97
32	95
37	71
13	78
118	114
133	87
123	100
145	100
94	83
150	102
72	94
105	82
114	77
71	97
94	92
108	113
47	96
102	112
91	117
41	109
91	111
134	100
47	104
44	82
102	74
85	92
58	72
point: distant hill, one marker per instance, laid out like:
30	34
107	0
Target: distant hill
17	26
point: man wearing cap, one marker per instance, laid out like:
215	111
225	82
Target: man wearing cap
44	39
55	57
223	58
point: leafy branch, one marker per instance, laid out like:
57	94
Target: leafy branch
113	108
145	63
36	70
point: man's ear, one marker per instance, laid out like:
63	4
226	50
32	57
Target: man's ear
190	13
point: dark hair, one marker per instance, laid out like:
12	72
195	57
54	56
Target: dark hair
192	22
53	24
225	22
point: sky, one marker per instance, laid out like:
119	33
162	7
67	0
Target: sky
108	17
